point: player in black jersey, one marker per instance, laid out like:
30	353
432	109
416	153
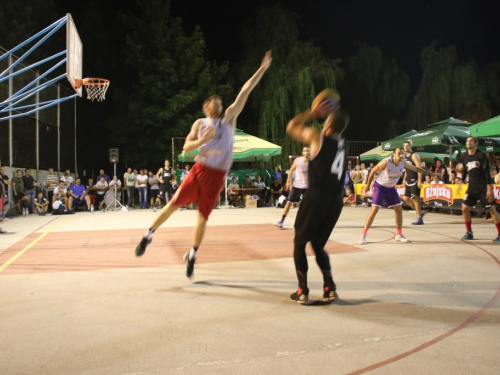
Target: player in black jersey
413	183
477	168
321	205
165	176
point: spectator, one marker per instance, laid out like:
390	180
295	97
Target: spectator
51	182
2	196
261	192
70	178
148	187
459	167
101	188
136	195
233	192
428	179
276	175
443	172
129	179
115	183
102	174
20	198
30	189
185	172
78	196
60	194
142	182
453	176
91	192
365	172
356	177
276	190
41	204
437	181
154	183
247	184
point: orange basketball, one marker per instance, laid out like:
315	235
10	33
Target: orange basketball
329	95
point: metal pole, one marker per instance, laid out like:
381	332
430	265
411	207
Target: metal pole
37	121
76	170
11	148
58	132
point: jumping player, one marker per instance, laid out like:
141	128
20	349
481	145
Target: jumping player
477	167
300	183
321	206
413	183
390	170
214	135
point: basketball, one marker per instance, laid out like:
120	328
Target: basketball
329	95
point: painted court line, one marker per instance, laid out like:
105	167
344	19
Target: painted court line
21	252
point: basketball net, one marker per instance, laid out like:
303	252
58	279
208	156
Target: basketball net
96	88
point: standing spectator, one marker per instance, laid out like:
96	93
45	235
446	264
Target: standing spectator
154	184
165	177
101	188
148	187
356	177
20	198
91	192
41	204
142	182
30	188
442	171
51	182
185	172
102	174
70	177
68	180
5	196
365	172
129	180
277	175
2	196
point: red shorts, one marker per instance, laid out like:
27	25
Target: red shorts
202	184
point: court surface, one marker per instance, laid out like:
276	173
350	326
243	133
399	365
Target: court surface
76	300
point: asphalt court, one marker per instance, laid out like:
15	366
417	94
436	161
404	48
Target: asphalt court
76	300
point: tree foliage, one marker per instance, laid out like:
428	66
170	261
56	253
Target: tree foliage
168	79
299	71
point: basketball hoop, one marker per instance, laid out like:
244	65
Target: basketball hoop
96	87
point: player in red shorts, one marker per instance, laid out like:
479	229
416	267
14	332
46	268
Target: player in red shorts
214	136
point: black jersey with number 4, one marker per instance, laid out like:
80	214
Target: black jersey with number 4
328	168
477	167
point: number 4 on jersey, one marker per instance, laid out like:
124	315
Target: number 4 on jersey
338	164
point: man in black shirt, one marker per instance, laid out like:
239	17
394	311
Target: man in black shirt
413	182
322	204
29	186
477	168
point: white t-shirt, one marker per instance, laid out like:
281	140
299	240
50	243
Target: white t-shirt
365	175
112	183
142	180
101	184
57	191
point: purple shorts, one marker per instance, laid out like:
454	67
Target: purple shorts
388	194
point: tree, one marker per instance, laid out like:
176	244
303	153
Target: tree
169	77
299	71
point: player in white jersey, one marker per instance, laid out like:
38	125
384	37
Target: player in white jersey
300	184
214	137
384	190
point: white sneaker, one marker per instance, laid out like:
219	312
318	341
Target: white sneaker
362	239
401	238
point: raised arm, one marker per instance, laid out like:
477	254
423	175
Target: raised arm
233	111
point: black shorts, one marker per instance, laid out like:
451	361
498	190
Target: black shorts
154	193
295	193
470	200
166	190
412	190
99	198
19	197
318	213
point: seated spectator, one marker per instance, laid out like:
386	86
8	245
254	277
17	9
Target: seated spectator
60	194
68	180
41	204
78	196
261	192
233	193
453	176
275	190
350	199
428	179
116	182
101	188
437	181
247	184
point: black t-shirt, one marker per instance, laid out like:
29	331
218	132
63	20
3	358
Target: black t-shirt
411	176
328	168
29	182
166	175
275	188
477	167
5	179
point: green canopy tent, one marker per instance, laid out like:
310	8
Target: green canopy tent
246	147
378	154
488	128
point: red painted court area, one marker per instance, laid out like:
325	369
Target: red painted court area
97	250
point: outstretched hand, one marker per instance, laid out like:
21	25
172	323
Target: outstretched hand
266	61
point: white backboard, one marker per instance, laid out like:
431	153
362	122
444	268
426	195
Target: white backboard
74	54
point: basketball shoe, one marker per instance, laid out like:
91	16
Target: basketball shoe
467	236
401	238
189	265
330	293
141	248
300	296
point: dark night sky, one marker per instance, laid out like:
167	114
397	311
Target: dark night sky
401	28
